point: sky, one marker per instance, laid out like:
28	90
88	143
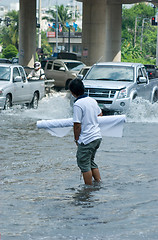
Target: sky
45	3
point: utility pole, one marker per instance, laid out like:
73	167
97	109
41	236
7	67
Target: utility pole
56	26
157	39
74	9
157	49
69	40
39	20
141	41
135	32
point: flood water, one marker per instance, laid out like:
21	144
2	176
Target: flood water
42	196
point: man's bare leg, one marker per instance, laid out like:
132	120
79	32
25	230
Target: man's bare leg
87	176
96	174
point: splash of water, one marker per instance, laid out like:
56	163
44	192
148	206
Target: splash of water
53	106
57	105
142	110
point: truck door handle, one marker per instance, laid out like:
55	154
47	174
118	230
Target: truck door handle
22	86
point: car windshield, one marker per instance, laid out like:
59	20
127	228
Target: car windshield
111	73
4	73
74	66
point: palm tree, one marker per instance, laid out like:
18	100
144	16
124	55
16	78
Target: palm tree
63	16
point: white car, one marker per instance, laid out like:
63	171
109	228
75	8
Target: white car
83	71
15	88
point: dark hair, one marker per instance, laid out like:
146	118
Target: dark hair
76	87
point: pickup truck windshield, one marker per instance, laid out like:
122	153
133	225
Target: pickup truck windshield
4	73
111	73
74	66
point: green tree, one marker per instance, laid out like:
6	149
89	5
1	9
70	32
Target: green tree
138	33
129	15
10	34
130	53
63	16
10	51
47	49
149	41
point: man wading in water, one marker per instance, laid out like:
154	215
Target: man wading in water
86	131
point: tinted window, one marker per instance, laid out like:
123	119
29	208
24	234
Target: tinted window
57	66
140	73
4	60
49	66
144	72
4	73
150	66
22	74
74	66
85	71
15	73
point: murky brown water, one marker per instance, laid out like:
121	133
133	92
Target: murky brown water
42	196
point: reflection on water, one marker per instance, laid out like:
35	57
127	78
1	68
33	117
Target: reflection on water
85	196
42	195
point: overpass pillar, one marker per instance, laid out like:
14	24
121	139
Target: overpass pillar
27	32
101	31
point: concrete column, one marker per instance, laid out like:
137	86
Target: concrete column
27	32
101	31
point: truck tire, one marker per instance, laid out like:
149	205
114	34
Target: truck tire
155	97
8	102
134	97
34	102
67	84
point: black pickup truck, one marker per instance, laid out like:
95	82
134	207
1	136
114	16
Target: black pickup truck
152	70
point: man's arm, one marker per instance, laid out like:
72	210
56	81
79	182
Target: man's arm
42	74
30	75
77	130
101	114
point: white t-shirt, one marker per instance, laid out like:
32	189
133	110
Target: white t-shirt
86	111
37	73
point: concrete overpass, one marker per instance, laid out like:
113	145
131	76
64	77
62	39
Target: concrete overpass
101	29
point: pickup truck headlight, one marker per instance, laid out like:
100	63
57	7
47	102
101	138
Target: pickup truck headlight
122	93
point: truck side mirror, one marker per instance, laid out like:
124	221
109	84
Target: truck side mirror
80	76
142	80
18	79
62	69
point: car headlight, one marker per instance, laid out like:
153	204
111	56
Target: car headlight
122	93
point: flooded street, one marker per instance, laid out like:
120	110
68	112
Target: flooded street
42	193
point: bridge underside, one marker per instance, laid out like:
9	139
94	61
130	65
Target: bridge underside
101	30
126	1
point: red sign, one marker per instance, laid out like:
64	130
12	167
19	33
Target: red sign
85	52
50	34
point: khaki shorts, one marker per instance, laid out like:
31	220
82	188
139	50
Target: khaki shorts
85	155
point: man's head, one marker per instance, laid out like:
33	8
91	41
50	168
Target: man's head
76	87
37	66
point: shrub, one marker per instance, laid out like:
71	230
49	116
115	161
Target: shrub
10	51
